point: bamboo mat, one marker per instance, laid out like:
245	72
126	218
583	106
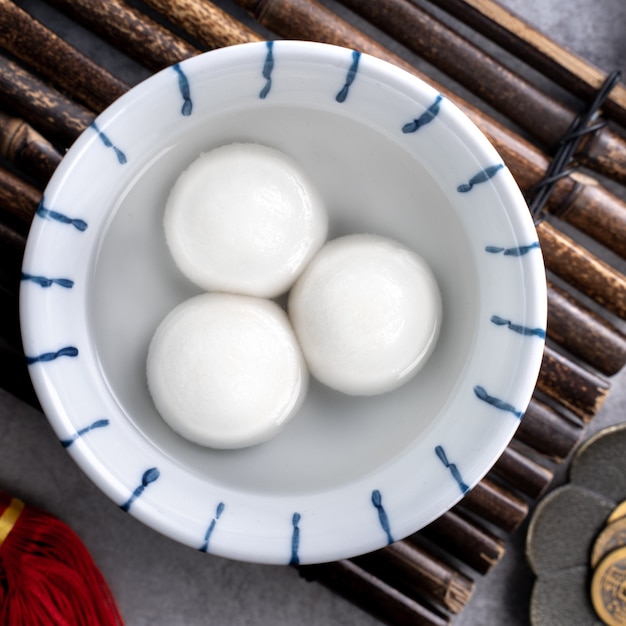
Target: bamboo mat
50	92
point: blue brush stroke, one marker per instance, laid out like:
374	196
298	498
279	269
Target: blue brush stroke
343	94
121	157
482	177
207	537
46	357
59	217
518	251
183	86
518	328
268	67
425	118
454	470
377	501
43	281
482	394
295	540
97	424
149	476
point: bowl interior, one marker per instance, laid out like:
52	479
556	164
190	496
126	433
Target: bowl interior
371	184
391	157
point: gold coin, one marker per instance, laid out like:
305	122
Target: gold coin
617	513
608	588
611	537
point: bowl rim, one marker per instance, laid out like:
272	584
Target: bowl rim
370	512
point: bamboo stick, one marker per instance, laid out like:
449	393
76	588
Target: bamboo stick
522	473
578	267
15	378
311	21
496	505
19	200
46	109
527	43
307	19
595	211
572	386
9	310
56	60
11	243
22	146
583	333
548	431
129	30
372	594
412	570
205	21
465	540
12	246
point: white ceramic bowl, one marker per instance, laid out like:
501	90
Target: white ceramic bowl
391	157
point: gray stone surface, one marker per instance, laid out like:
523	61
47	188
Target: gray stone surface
160	583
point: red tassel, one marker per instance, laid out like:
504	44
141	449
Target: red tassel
47	576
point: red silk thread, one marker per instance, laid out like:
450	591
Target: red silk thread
48	577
